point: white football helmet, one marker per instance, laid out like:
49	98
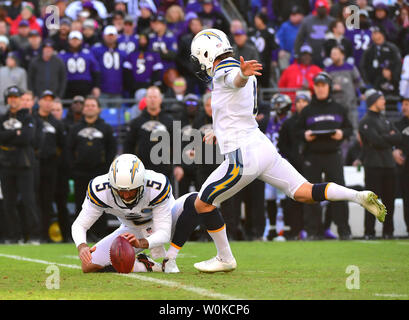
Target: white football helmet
127	173
206	46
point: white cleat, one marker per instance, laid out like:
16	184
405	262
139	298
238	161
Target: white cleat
370	202
279	239
216	265
170	266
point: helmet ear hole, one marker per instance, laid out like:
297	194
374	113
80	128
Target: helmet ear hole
206	54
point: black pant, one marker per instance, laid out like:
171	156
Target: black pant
293	216
404	184
331	165
47	184
19	182
188	179
382	182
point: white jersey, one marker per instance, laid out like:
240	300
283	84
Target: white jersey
233	109
154	207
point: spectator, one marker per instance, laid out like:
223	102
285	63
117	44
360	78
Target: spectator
51	145
27	15
347	83
17	168
110	60
185	172
164	5
378	136
177	92
382	20
290	147
90	36
389	86
194	85
47	72
313	29
144	20
335	38
377	54
175	18
244	48
360	38
60	38
74	114
300	74
164	42
338	7
19	41
3	28
118	19
139	140
76	7
128	41
283	8
401	156
211	17
83	73
286	35
143	67
265	42
403	35
32	51
11	75
322	152
91	147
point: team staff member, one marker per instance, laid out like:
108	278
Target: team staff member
290	147
152	122
91	147
16	168
379	136
322	153
48	152
401	155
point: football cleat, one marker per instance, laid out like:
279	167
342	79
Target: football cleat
216	265
370	202
170	266
150	265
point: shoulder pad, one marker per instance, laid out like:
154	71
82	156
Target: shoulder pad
97	190
160	185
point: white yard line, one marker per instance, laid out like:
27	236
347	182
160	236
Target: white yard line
167	283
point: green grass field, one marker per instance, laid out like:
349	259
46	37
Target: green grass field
266	270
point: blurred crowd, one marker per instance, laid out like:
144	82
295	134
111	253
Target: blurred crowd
63	62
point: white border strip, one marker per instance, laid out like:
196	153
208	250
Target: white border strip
167	283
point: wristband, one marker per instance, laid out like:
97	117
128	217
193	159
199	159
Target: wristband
243	76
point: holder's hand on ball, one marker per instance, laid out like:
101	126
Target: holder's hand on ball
84	252
137	243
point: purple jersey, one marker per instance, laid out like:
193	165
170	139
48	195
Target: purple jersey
273	128
143	65
361	40
128	43
80	65
167	42
110	62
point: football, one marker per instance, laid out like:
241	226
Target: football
122	255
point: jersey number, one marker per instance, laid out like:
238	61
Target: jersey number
102	187
152	184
